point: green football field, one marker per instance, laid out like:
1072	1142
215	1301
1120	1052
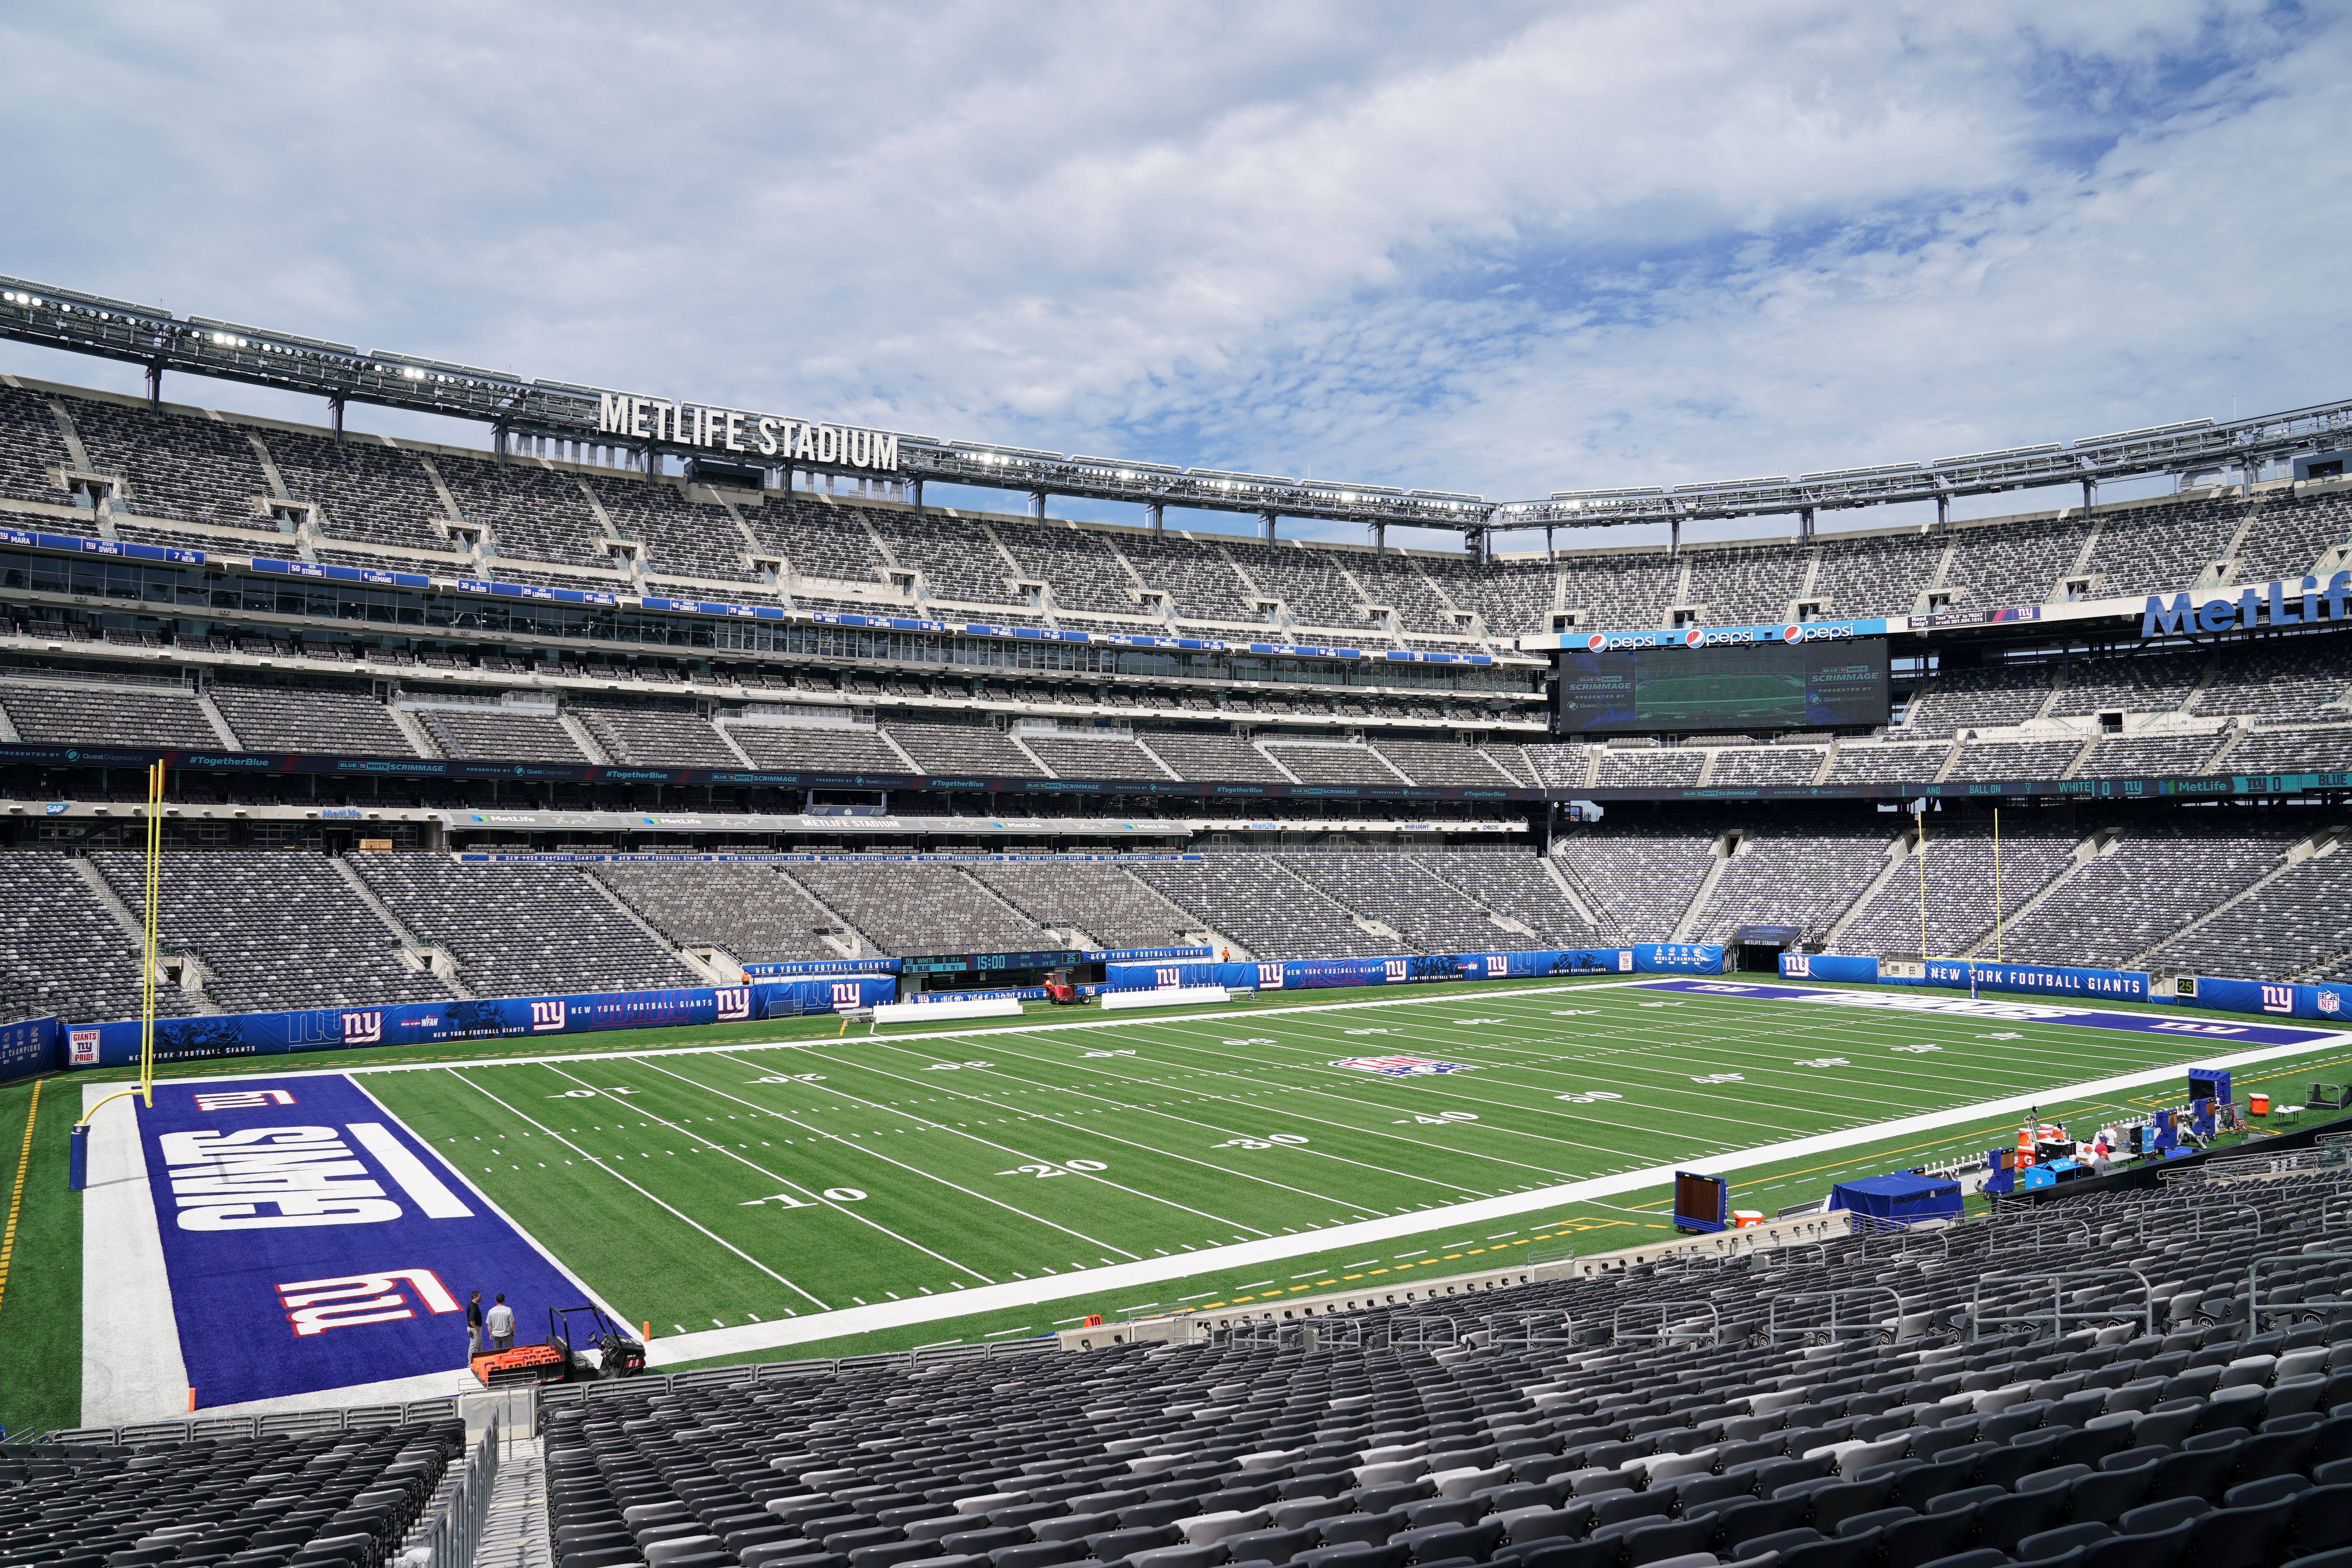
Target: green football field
746	1185
831	1193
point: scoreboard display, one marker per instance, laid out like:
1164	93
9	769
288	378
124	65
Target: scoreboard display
1739	688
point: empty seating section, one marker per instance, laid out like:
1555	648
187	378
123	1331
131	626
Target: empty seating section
819	539
1434	763
964	749
2292	678
2290	925
1082	565
1514	597
1411	588
1803	877
1629	591
364	488
1432	914
63	950
1199	584
2288	536
1256	902
276	929
355	1497
1085	757
1559	766
1964	891
1987	698
1861	763
1201	754
2146	684
1644	877
309	719
1768	764
2292	751
1100	900
656	736
2161	549
2123	756
908	909
113	715
1874	575
842	749
1746	587
2147	884
681	538
1517	888
1642	767
1333	764
521	928
956	558
176	467
533	514
2012	563
32	450
1309	583
497	733
747	910
2017	759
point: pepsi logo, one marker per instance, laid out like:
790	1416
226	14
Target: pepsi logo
1792	633
1595	643
1694	637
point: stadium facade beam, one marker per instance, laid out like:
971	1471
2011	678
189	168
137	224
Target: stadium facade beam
158	341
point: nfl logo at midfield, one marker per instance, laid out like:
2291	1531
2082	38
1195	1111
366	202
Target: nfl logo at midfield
1402	1066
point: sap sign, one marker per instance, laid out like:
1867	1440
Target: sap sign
2272	604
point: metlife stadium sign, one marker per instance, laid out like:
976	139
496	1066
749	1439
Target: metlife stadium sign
2266	604
732	430
1792	632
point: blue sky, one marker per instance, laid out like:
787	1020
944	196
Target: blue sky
1496	249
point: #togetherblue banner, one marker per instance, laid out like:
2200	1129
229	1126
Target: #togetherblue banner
1316	973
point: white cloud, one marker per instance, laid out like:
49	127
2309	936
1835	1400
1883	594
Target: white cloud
1506	250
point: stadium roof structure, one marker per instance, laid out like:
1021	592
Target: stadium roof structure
112	329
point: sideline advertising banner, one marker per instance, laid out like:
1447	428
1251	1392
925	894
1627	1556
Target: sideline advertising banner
430	1022
1317	974
2328	1002
1955	974
28	1048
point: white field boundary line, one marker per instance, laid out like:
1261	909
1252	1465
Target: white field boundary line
837	1042
1125	1277
131	1368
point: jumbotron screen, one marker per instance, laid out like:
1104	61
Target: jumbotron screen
1758	686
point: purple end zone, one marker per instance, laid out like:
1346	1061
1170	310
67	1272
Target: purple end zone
2019	1010
312	1243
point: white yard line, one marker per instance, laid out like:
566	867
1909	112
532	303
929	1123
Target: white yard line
130	1364
1127	1276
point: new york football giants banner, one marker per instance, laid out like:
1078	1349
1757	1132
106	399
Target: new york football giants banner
2037	979
492	1018
1836	968
1316	973
2327	1002
310	1241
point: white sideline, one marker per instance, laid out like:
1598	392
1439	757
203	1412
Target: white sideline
1165	996
920	1012
131	1364
1125	1277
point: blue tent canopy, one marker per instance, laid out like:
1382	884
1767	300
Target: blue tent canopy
1905	1199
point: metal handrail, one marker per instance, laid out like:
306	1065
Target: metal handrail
2254	1308
2060	1313
456	1534
1499	1327
1774	1332
1619	1333
1419	1333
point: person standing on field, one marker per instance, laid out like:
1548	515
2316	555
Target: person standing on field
474	1326
501	1323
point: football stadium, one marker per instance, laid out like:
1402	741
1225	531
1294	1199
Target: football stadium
655	984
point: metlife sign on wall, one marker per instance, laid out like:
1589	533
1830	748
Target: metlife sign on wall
731	430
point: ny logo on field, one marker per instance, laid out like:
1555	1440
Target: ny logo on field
1402	1066
734	1003
242	1098
364	1028
547	1015
314	1306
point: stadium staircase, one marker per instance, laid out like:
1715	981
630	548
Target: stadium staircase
1899	851
2100	844
1727	846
